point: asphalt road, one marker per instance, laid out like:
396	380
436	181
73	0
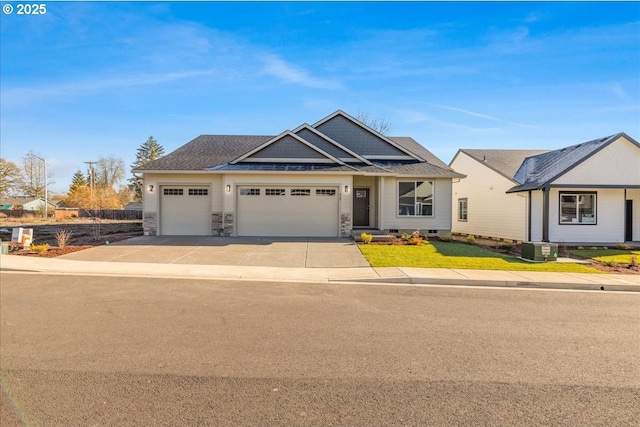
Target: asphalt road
97	351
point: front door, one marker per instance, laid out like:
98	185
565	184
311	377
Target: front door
361	207
628	221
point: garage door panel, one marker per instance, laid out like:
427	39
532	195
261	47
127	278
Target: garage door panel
287	211
185	211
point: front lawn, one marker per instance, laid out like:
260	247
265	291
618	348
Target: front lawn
436	254
608	256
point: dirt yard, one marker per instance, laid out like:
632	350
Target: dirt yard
85	232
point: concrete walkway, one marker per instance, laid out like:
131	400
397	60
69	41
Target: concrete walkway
389	275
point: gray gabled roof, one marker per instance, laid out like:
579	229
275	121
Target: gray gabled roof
206	151
504	162
538	171
227	152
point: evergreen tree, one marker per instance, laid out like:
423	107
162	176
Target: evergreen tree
149	151
78	180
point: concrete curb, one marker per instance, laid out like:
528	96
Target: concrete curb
504	284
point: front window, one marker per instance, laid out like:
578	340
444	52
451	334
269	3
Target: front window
415	198
462	209
577	208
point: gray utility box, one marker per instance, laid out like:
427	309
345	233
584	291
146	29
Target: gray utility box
540	251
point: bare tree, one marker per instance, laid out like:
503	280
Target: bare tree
109	171
10	178
379	124
33	170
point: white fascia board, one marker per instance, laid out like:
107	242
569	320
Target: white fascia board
277	138
370	130
377	157
179	171
331	141
284	160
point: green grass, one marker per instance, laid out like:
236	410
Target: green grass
618	256
437	254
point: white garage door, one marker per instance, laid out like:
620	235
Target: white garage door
287	211
185	211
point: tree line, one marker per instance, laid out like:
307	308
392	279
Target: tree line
97	188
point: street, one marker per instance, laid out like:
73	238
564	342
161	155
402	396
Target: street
120	351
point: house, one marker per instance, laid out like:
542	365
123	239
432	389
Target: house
585	193
24	203
323	179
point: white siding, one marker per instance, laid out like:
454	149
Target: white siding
616	164
610	219
441	219
635	196
491	211
536	215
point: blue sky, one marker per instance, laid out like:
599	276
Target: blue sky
92	79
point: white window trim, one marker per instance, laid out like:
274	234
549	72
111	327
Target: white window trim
578	194
415	209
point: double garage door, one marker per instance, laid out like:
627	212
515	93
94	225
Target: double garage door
276	210
185	211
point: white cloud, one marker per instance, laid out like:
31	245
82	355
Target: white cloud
275	66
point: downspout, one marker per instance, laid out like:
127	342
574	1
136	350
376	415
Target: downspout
545	213
529	217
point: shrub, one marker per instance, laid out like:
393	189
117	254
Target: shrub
414	240
594	248
580	248
391	238
39	248
507	247
605	248
62	237
366	238
406	236
623	246
471	239
446	238
611	263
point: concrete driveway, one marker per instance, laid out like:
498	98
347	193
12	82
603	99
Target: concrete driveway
309	252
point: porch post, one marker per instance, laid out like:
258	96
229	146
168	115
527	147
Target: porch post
545	213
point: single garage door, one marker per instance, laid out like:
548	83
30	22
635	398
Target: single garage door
185	211
287	211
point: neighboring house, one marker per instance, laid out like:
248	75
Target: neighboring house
317	180
24	203
133	206
586	193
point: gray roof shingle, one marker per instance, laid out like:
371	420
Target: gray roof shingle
504	162
538	171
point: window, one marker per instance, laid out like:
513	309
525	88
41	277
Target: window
300	192
172	191
325	192
198	192
462	209
275	192
415	198
577	208
249	191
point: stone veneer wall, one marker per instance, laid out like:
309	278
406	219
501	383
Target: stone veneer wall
216	224
345	224
150	224
228	225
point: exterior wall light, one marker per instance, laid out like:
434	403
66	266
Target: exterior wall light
346	188
228	188
150	188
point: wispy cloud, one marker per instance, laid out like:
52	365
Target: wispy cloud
275	66
480	115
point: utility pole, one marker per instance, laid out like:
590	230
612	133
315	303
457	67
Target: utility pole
46	189
91	179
